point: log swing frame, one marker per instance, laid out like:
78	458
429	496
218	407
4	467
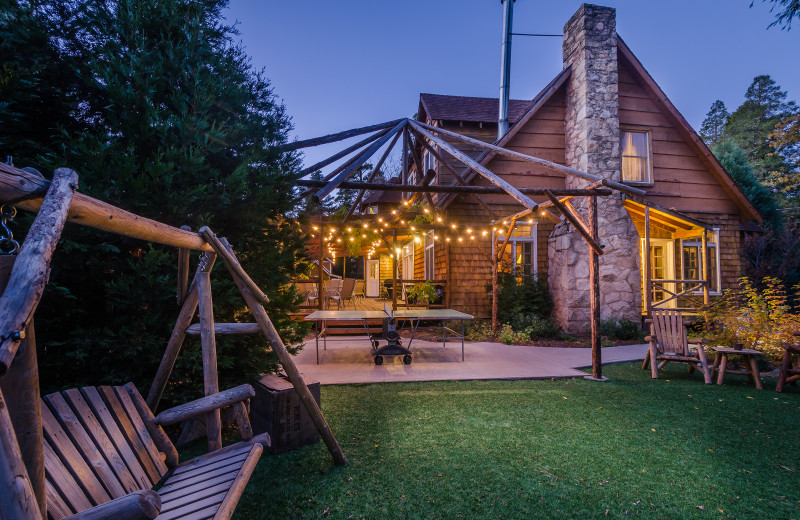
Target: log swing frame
22	480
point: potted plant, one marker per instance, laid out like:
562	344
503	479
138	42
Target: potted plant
424	292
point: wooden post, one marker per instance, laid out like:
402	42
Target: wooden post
231	264
320	294
32	270
495	293
294	376
209	346
449	277
183	270
22	383
176	338
704	266
594	297
395	254
648	273
17	498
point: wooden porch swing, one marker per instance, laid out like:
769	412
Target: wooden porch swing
97	452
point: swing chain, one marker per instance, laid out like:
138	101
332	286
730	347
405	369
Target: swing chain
8	246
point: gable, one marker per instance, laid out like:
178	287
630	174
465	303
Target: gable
686	175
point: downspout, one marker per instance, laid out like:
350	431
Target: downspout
505	68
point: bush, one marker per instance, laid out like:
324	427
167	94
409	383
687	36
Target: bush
623	329
758	317
478	330
535	326
530	297
509	337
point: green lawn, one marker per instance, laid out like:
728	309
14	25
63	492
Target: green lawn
672	448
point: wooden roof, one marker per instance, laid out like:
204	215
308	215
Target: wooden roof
466	108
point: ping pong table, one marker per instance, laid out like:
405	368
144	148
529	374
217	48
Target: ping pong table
389	330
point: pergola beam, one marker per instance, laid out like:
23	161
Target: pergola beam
369	152
482	170
549	165
416	188
335	157
574	219
372	175
339	136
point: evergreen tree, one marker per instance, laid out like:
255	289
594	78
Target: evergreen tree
787	10
750	126
714	124
36	88
176	127
735	162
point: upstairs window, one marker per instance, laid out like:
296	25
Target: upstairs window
430	263
429	161
636	166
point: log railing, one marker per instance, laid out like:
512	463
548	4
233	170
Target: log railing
680	293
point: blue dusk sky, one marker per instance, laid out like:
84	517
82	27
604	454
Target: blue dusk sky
349	63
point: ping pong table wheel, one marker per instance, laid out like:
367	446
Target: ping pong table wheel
406	359
378	360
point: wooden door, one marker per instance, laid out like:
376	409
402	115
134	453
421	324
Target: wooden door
373	278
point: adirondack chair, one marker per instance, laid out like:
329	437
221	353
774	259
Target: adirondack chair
669	344
104	452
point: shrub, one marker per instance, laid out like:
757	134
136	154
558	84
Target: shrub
622	329
478	330
508	336
535	326
528	297
759	318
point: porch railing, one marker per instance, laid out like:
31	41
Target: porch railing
684	295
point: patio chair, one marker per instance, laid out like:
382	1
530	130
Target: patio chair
345	293
669	344
334	291
359	291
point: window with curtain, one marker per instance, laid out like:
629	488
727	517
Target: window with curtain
635	156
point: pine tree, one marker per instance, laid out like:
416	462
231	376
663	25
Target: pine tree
750	126
179	128
714	124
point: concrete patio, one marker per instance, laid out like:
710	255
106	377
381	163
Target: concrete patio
348	360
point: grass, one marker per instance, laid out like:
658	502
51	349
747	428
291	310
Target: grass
631	447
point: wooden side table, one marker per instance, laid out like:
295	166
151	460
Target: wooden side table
750	358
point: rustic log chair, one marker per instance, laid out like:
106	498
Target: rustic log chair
104	452
788	373
669	344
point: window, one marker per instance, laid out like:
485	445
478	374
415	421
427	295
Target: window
407	265
428	161
691	260
520	254
430	259
635	156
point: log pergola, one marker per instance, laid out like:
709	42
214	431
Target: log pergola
432	139
22	476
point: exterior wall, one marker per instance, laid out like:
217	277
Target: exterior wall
681	180
592	145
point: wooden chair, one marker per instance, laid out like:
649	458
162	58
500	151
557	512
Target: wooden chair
669	344
360	290
788	373
104	452
334	291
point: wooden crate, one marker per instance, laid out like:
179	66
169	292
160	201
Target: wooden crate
277	410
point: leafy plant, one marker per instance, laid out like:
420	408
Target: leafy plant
758	317
478	330
422	292
536	327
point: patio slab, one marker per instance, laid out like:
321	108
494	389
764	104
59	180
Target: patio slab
347	360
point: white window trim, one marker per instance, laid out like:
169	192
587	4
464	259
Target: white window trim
648	134
512	243
407	253
712	241
429	244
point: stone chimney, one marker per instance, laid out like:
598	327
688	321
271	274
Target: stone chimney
592	144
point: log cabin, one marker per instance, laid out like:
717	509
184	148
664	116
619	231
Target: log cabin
602	114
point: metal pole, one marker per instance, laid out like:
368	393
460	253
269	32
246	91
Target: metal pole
505	67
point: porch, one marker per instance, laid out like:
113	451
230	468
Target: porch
682	256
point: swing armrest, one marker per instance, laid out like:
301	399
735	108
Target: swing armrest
204	405
696	341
